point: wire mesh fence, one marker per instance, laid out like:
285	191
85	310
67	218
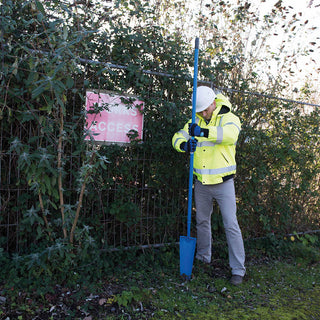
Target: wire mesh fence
138	198
124	204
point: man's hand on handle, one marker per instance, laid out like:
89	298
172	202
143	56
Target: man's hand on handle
189	146
196	131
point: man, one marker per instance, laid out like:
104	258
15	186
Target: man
216	130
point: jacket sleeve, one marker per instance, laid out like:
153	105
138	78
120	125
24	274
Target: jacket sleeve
228	131
179	137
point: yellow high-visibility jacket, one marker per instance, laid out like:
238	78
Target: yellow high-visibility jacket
214	158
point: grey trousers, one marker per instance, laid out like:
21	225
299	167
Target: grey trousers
224	194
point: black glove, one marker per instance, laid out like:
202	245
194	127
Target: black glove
196	131
189	146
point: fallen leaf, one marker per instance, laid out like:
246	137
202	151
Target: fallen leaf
102	301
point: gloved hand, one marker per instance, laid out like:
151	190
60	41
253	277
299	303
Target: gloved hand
189	146
196	131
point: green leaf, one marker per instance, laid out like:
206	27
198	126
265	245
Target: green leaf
40	7
15	67
65	32
47	183
69	82
37	91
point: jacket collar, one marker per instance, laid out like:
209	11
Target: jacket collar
221	109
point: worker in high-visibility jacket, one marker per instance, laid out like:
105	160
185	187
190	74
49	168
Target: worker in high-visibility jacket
216	132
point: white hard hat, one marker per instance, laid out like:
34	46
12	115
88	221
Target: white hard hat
205	96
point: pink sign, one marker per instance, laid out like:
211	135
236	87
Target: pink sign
117	115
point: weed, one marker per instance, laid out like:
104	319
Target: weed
151	287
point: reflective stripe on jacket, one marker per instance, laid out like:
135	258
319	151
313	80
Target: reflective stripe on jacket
214	157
